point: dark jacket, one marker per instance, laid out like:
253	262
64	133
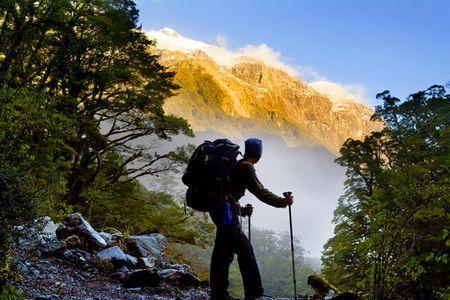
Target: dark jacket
242	177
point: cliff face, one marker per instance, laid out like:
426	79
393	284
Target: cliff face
250	98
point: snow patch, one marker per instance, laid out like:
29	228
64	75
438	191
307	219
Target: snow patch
169	39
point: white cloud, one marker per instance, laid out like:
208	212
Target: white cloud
267	55
222	41
337	92
309	74
167	38
340	93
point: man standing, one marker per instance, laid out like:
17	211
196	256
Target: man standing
230	239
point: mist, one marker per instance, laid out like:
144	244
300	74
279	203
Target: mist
308	172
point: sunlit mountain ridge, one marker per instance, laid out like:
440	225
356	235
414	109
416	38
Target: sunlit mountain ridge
240	95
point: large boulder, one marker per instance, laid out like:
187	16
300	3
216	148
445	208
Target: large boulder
142	278
113	255
75	224
146	245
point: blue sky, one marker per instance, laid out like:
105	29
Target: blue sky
399	45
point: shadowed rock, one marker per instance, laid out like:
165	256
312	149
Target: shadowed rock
142	278
146	245
75	224
113	255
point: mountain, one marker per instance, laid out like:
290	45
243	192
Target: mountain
237	96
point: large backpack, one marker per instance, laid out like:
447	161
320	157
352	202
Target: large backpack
207	174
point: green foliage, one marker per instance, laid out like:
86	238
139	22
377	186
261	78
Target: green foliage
17	206
392	224
273	254
131	208
12	293
79	90
89	62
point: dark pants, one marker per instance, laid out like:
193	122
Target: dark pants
231	240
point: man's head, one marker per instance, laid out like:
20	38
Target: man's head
253	150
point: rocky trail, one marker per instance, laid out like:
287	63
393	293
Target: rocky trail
74	261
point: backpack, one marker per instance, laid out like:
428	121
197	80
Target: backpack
207	174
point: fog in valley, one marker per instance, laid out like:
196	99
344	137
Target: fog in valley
309	172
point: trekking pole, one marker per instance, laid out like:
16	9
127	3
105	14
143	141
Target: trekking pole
292	247
249	232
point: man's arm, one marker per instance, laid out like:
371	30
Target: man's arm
257	188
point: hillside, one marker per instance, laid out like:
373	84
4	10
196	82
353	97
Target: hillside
245	96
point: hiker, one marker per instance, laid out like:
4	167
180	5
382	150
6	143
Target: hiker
230	239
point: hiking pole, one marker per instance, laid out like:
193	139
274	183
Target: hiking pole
292	246
249	232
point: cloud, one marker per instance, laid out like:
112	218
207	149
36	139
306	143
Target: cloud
340	93
222	41
309	74
267	55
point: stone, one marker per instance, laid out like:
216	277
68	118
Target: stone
75	224
45	297
180	276
195	294
73	242
107	237
77	256
147	262
142	278
113	255
132	262
49	227
146	245
52	246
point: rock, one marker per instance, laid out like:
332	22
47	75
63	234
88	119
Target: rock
75	224
147	262
52	246
142	278
49	227
113	255
35	272
146	245
120	274
79	257
132	261
107	237
180	276
45	297
113	239
194	294
73	242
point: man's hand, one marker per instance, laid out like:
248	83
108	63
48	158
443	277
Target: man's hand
288	198
247	210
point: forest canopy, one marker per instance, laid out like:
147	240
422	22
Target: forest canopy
392	234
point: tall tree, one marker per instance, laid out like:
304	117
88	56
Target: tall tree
94	64
392	225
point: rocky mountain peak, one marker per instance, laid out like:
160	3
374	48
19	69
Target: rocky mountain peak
238	96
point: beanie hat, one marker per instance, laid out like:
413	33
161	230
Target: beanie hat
253	147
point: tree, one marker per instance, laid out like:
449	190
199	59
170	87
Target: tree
95	66
18	205
392	224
